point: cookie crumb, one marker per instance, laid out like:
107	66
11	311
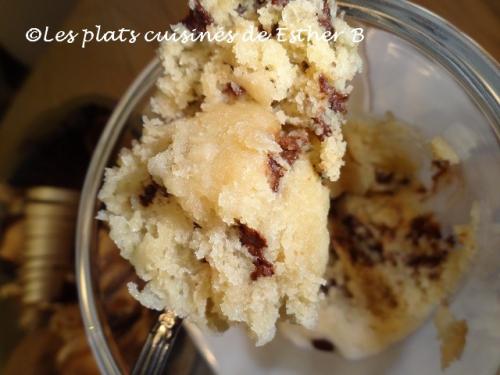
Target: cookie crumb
452	334
441	150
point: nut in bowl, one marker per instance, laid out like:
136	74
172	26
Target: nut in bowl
225	182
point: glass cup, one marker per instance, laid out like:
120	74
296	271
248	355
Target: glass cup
427	73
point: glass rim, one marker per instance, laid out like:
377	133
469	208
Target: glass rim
469	63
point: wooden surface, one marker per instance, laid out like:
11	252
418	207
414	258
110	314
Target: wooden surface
68	74
480	19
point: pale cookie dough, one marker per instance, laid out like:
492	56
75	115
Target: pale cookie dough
392	259
222	205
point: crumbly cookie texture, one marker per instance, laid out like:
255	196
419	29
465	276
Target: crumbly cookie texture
305	84
222	205
392	259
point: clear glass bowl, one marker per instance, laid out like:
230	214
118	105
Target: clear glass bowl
427	73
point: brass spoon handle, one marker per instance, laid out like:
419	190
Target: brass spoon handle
155	352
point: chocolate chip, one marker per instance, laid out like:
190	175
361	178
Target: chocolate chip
427	260
324	85
304	65
383	177
322	129
198	18
325	18
292	144
149	193
336	99
424	226
442	167
241	9
276	173
323	345
255	244
427	228
274	29
434	251
280	2
234	89
359	240
252	240
338	102
451	241
147	196
263	268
